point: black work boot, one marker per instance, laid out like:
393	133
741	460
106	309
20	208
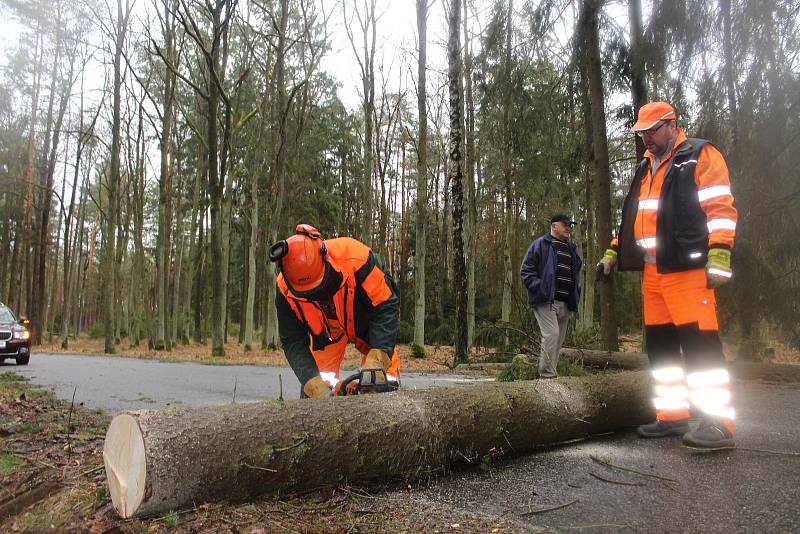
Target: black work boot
710	434
663	429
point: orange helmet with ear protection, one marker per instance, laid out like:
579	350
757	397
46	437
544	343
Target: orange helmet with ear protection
302	258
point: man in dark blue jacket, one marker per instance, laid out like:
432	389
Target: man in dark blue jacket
551	273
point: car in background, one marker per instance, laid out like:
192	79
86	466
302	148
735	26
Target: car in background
15	338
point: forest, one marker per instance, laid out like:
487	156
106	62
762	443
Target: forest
152	150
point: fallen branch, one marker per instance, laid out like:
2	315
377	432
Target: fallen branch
615	466
23	451
598	525
69	421
32	496
260	468
768	451
543	510
90	471
620	482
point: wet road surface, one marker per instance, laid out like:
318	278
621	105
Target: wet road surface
113	384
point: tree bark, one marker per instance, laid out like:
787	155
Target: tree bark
216	181
109	233
421	201
52	135
456	170
471	219
151	457
163	238
24	245
588	26
638	85
270	338
251	269
505	309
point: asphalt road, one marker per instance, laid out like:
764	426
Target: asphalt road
734	491
114	384
745	490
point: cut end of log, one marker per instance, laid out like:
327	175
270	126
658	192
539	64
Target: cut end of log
124	458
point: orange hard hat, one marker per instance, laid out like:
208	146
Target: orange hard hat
302	258
653	113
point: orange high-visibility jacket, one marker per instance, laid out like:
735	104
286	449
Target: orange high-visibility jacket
678	212
367	309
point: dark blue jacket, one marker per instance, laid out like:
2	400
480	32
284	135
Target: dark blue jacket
538	272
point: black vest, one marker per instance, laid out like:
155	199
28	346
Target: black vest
681	224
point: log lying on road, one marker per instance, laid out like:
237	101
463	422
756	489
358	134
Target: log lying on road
159	460
606	359
601	359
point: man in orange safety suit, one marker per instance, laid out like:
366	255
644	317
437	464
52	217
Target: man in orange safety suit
331	292
678	226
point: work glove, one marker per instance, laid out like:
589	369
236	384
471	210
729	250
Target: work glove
316	387
606	265
718	268
377	360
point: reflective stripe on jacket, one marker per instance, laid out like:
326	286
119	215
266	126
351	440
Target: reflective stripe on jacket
677	213
366	303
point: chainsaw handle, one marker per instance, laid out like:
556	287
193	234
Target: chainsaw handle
376	382
341	389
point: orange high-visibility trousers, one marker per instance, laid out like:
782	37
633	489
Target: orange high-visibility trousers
678	298
329	361
683	342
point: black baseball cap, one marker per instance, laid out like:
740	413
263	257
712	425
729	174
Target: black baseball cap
562	217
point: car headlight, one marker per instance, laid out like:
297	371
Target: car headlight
22	334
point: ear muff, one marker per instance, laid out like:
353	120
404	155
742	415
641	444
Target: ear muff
278	251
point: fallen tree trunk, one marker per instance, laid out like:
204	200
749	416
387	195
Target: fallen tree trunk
158	460
606	359
632	361
601	359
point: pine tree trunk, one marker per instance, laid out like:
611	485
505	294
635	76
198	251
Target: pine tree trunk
421	201
505	310
71	249
588	24
470	220
251	273
109	234
638	83
163	460
39	312
24	245
176	324
278	178
163	239
456	171
194	254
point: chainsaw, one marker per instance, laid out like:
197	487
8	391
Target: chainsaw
366	381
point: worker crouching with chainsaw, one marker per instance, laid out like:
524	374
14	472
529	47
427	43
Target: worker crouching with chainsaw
331	292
